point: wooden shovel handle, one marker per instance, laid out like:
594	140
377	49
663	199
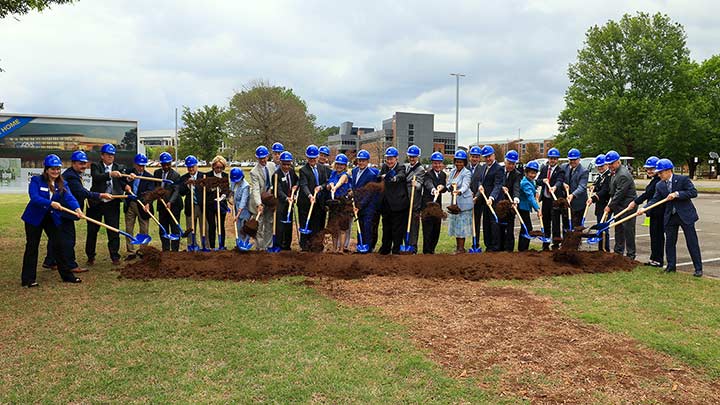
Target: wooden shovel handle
94	221
507	193
412	201
629	217
487	202
145	178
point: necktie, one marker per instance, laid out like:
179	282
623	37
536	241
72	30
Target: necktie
108	187
317	178
267	178
289	183
164	177
195	197
136	183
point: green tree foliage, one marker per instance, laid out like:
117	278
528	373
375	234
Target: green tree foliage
203	133
262	114
322	133
20	7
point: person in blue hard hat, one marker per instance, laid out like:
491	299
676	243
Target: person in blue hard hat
458	183
240	190
576	177
136	210
622	193
106	178
511	185
277	149
527	201
601	197
313	178
655	215
339	206
324	157
192	192
48	192
366	199
174	201
433	187
488	178
394	203
287	181
218	165
415	170
475	154
679	213
73	176
551	180
261	183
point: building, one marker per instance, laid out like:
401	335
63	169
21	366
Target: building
401	130
155	138
535	147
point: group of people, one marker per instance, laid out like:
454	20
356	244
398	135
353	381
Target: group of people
329	196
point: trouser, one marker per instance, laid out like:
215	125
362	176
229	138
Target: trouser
110	211
394	225
625	238
132	214
284	231
167	222
604	244
315	225
576	219
524	243
505	240
32	243
67	237
491	230
431	234
691	240
212	225
478	210
414	229
551	223
195	225
657	238
368	221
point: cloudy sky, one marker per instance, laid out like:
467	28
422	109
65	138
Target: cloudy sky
358	61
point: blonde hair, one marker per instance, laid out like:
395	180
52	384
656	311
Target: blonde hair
219	159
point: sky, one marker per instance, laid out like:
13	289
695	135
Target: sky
350	61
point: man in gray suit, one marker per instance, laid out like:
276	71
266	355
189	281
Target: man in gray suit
622	192
576	177
260	182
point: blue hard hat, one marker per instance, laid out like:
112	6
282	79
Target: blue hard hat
532	165
261	152
236	174
312	151
52	161
512	156
191	161
475	150
437	156
600	160
363	154
286	157
391	152
413	151
553	153
573	154
324	150
278	147
461	154
108	148
341	159
664	164
612	156
487	150
141	160
651	162
165	158
79	156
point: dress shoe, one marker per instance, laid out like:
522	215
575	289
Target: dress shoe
50	266
653	263
90	262
670	270
698	273
79	270
131	256
116	262
73	280
31	285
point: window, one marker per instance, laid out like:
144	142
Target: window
411	140
411	126
411	132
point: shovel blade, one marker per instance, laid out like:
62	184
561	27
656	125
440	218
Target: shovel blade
305	231
141	239
363	248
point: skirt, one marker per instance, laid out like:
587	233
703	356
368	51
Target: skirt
460	225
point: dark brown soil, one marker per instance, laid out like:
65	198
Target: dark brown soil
250	227
228	265
212	182
561	203
503	209
268	200
453	209
340	212
155	194
433	210
535	233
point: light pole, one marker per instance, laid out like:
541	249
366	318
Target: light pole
478	133
457	105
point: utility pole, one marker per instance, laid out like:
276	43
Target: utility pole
478	133
457	106
177	143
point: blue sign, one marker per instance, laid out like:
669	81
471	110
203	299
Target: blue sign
14	123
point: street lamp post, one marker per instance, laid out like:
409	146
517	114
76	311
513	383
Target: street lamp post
457	106
478	134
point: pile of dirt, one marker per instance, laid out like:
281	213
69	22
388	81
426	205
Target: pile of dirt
535	233
340	212
561	203
503	209
250	227
228	265
433	210
211	182
453	209
268	200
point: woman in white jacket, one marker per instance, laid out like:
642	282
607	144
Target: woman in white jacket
458	182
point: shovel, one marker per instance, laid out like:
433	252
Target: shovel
475	248
361	247
306	230
221	241
569	213
631	216
155	179
487	202
595	239
525	234
543	238
293	195
163	232
275	248
613	218
406	248
192	247
205	245
139	239
242	245
173	218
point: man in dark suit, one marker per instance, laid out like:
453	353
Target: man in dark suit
576	177
287	181
551	179
601	196
511	183
106	178
193	201
312	179
433	185
656	215
394	203
622	193
174	202
366	201
413	169
489	178
134	209
679	213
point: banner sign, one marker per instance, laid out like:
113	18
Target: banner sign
13	124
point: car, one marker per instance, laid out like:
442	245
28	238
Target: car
234	163
202	163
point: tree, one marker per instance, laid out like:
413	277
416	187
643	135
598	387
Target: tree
204	131
20	7
262	114
532	152
322	133
628	75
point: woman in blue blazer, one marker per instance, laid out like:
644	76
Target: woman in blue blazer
48	192
458	182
